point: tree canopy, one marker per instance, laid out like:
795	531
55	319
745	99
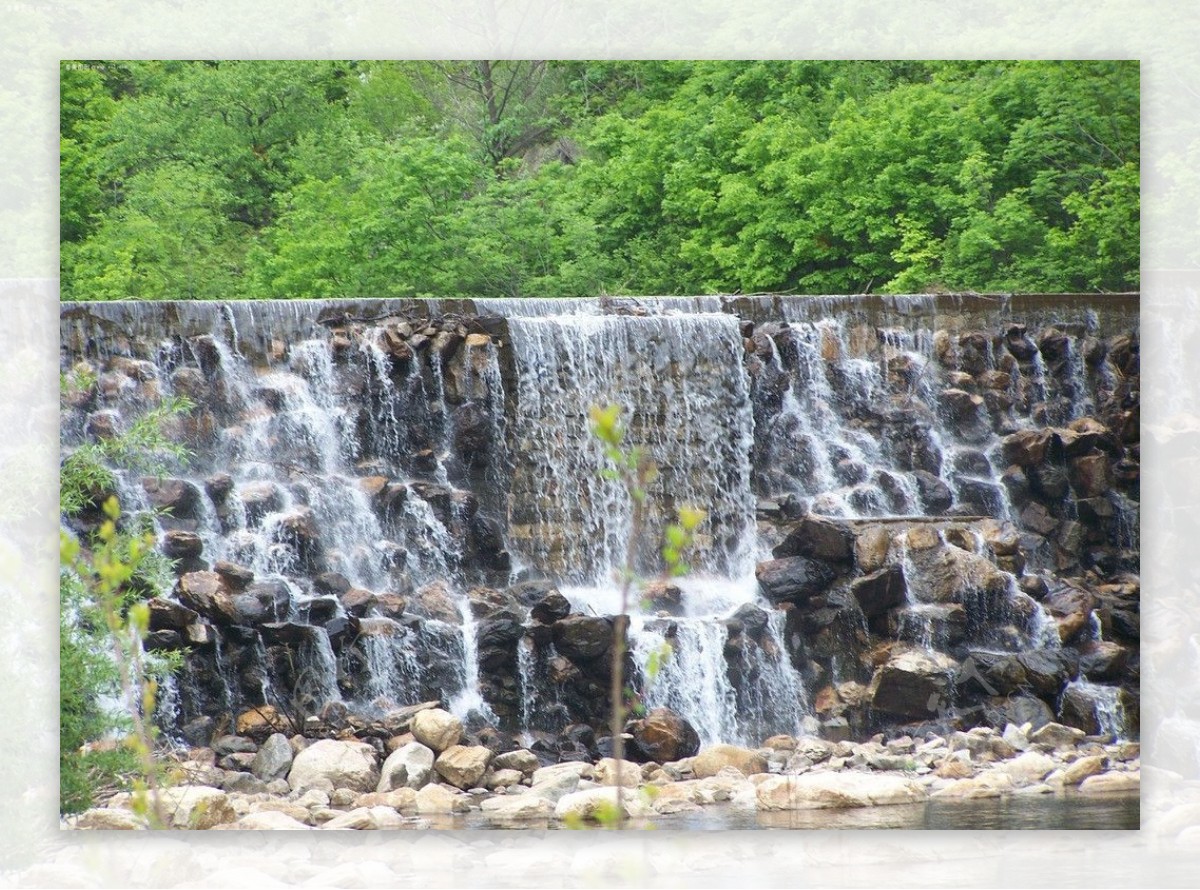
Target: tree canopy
254	179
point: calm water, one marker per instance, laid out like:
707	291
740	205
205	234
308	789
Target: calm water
1069	811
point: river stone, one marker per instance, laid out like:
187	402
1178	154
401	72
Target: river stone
436	729
335	764
196	806
793	579
712	760
836	790
664	735
409	766
1083	768
987	784
608	770
462	765
913	683
520	759
1057	736
109	819
592	804
517	808
269	820
274	758
440	799
1028	768
1113	782
401	799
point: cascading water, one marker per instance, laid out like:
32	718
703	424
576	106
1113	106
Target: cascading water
372	464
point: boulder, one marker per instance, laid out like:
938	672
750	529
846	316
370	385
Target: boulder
436	729
936	496
520	759
664	735
913	683
1079	770
207	594
177	498
583	636
881	590
168	615
600	805
463	766
269	820
1028	768
274	758
178	544
951	575
436	799
871	547
196	806
712	760
109	819
519	808
401	799
794	578
829	790
552	607
1057	736
818	538
335	764
409	766
1112	783
576	770
988	784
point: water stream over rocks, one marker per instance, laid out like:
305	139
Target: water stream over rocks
922	511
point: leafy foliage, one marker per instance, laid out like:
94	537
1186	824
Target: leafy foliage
534	178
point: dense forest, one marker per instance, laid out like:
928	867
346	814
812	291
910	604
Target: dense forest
256	179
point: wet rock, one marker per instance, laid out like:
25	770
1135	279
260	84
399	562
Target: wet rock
552	607
951	575
259	499
331	584
207	594
178	499
237	577
753	619
436	601
168	615
793	579
871	547
177	544
936	496
880	591
819	539
664	735
583	636
1103	661
662	596
913	684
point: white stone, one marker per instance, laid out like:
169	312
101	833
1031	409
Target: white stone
433	799
593	803
436	729
269	820
1106	783
339	764
989	784
836	790
196	806
409	766
1028	768
516	808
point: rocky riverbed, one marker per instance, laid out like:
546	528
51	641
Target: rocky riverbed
434	774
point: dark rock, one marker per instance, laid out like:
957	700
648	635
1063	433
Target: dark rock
168	615
501	633
234	744
177	544
662	596
236	577
198	733
752	618
259	499
552	607
936	496
178	499
1027	448
218	486
358	602
331	583
818	538
287	633
273	595
207	594
793	579
664	735
1103	661
583	636
880	591
528	593
913	683
159	640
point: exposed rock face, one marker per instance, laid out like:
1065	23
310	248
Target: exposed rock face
794	578
913	684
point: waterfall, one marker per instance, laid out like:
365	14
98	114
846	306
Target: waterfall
371	463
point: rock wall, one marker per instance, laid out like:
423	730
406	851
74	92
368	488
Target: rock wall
923	510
